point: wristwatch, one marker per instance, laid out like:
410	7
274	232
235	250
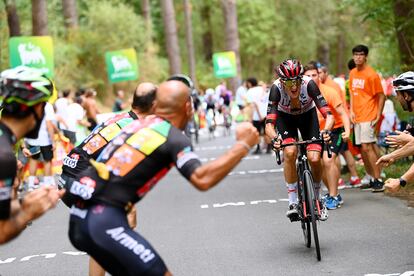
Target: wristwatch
403	182
274	139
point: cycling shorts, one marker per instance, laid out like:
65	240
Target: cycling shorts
103	232
307	123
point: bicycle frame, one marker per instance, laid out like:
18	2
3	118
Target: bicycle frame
309	207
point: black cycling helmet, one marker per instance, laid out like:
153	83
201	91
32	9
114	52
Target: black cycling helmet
404	82
290	69
24	86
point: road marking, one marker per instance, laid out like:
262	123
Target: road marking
212	148
74	253
43	255
252	157
256	172
407	273
242	203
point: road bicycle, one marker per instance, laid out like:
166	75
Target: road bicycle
309	206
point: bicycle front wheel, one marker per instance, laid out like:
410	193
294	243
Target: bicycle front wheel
306	228
305	224
311	203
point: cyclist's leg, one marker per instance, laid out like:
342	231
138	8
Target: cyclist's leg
94	268
286	127
105	235
309	128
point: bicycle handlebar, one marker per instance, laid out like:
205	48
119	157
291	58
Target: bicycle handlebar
298	143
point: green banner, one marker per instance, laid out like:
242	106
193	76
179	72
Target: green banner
224	64
32	51
121	65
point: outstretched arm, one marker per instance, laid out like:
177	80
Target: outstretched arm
208	175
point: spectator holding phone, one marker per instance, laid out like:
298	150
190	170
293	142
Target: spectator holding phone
404	86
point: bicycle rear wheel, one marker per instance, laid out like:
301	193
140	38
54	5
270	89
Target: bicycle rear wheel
310	198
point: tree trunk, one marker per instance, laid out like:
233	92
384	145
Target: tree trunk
340	53
207	35
323	54
12	18
232	37
171	38
189	40
146	12
70	13
39	17
404	26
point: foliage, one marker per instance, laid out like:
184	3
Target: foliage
269	31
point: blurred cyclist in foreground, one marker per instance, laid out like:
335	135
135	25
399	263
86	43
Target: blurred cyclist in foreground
23	94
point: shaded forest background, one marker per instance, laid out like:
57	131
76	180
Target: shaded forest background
181	36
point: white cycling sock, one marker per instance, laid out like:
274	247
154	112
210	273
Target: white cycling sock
292	193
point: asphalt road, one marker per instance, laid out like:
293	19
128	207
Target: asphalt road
237	228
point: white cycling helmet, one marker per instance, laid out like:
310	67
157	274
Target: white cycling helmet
404	82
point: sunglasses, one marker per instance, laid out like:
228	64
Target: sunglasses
290	83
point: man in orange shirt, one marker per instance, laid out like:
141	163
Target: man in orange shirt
349	158
339	133
367	102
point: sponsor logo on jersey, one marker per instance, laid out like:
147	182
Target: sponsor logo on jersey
71	161
184	156
146	140
118	234
123	160
96	143
83	188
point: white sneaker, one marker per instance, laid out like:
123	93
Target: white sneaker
366	179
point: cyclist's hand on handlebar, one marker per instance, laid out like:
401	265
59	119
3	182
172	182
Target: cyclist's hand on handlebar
246	132
276	143
326	135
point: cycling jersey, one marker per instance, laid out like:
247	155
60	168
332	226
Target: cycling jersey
309	96
8	165
288	120
128	167
135	161
78	158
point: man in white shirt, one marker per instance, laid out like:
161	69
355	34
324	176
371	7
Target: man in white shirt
42	147
65	116
257	98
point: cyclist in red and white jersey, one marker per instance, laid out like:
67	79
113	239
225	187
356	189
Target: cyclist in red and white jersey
291	107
